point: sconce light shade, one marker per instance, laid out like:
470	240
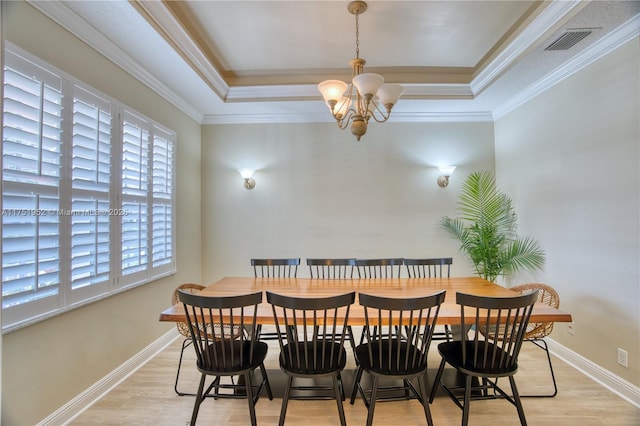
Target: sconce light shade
443	180
247	175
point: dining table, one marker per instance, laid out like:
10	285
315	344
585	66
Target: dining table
387	287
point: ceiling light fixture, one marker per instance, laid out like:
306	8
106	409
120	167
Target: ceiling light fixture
366	97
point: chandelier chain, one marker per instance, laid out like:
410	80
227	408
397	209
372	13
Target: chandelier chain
357	36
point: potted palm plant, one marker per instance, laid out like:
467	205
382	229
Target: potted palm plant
486	228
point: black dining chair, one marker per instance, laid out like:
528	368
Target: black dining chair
220	352
330	268
506	320
435	267
311	334
274	268
387	354
379	268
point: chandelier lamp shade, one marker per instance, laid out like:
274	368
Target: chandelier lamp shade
367	97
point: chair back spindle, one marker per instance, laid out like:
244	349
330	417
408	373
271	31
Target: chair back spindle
329	269
379	268
429	268
275	268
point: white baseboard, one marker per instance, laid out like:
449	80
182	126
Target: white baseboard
89	396
606	378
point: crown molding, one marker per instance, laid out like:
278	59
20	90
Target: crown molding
607	44
310	92
323	117
167	24
77	26
556	11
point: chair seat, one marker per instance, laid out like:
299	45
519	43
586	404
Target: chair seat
382	352
230	359
302	358
452	353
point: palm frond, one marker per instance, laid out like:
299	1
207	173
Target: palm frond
524	254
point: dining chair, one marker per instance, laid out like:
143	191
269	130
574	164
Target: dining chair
277	268
537	331
183	328
387	354
220	352
429	268
437	267
274	268
506	318
328	268
311	334
379	268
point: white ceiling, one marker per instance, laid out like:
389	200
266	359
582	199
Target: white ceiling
260	61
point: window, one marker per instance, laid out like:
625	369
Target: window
88	194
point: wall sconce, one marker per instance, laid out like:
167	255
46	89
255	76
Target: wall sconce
446	171
247	175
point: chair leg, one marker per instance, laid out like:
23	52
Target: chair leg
198	401
436	381
516	399
265	378
372	401
252	408
543	345
467	400
185	343
339	396
285	400
356	384
425	404
341	386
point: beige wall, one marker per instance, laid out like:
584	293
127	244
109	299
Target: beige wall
47	364
570	158
321	193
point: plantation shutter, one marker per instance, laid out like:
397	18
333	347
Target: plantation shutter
90	186
162	228
31	149
135	177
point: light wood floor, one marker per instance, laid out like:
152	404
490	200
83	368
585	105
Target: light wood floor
147	398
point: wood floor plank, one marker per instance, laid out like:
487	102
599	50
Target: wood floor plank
147	398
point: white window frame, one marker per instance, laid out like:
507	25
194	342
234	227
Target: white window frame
114	281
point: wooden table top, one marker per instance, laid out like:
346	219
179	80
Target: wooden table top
387	287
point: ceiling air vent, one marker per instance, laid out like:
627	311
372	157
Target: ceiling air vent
568	39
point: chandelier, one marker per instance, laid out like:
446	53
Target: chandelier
366	97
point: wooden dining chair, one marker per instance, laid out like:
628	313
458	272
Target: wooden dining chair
219	352
311	334
379	268
276	268
385	353
506	318
429	268
437	267
328	268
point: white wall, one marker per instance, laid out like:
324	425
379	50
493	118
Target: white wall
570	159
321	193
